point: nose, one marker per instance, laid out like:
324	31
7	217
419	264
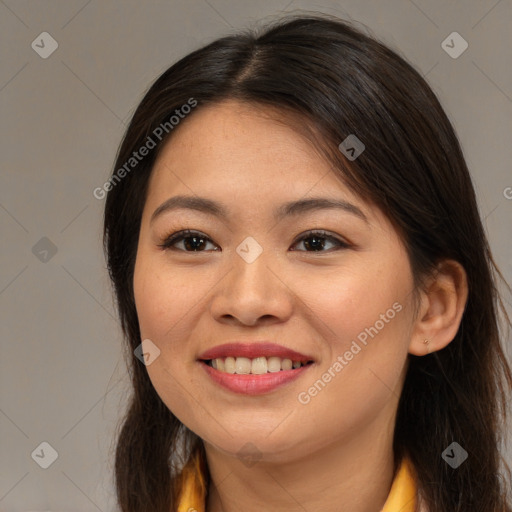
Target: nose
253	293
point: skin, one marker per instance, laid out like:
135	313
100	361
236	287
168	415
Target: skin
335	451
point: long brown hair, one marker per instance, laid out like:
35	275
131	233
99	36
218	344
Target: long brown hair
338	81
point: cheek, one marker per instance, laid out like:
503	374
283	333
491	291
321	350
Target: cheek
363	319
352	299
162	298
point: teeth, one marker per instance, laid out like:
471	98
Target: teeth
274	364
242	365
286	364
257	366
229	364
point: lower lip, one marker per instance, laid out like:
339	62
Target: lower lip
254	384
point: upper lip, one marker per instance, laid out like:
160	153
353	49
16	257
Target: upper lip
253	350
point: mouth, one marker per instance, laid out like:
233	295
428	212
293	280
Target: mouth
255	366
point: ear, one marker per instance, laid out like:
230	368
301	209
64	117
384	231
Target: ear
442	304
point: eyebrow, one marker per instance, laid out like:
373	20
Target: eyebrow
291	208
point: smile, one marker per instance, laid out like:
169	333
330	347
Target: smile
256	366
249	383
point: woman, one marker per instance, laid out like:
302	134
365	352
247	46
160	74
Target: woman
298	260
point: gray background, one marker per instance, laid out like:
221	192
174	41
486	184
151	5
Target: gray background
63	378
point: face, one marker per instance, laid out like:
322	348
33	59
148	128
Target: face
341	297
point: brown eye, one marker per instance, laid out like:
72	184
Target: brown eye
193	241
315	241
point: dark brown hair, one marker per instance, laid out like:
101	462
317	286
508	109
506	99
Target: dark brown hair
338	81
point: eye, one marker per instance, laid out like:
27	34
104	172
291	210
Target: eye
315	240
195	241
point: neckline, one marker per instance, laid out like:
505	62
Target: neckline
402	495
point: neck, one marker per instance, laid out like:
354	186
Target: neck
350	475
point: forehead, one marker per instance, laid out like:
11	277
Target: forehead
238	146
252	161
233	129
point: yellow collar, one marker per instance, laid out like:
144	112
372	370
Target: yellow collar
402	495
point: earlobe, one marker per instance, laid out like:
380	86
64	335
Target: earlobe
442	305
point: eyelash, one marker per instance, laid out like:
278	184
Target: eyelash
172	239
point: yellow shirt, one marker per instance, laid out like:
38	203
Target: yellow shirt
401	498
